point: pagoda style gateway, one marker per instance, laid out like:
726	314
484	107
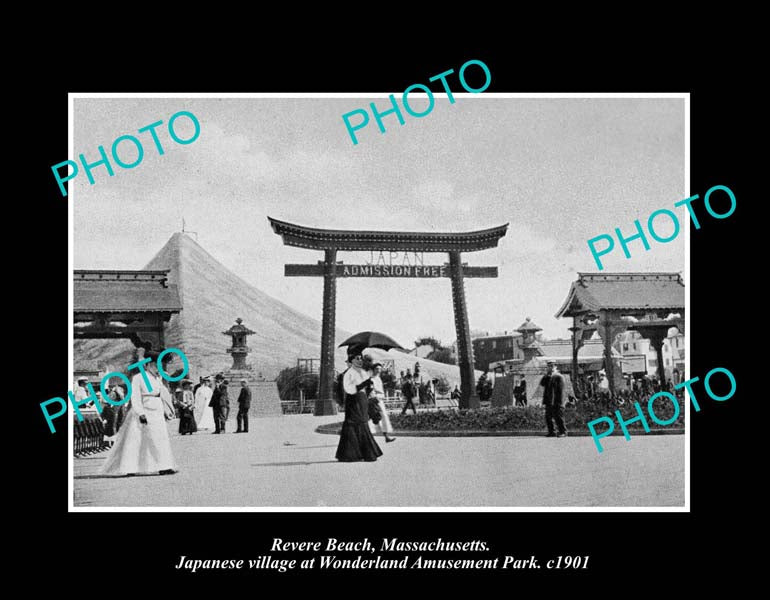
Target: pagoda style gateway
265	401
611	303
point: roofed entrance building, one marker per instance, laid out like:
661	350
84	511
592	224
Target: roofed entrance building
610	303
124	304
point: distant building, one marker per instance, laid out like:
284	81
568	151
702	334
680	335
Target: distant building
496	348
632	347
676	343
90	369
590	357
520	345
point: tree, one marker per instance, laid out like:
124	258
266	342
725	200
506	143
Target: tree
428	341
440	353
443	355
293	379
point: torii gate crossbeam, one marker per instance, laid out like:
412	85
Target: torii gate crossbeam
330	241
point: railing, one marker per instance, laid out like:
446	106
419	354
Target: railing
89	435
393	402
297	407
396	402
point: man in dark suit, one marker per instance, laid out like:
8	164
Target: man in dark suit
220	402
553	400
244	403
408	391
197	386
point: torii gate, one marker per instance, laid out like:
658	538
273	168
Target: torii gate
330	241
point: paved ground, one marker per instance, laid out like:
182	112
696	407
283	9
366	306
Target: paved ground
282	462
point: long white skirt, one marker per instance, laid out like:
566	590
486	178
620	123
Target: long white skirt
141	448
207	420
384	425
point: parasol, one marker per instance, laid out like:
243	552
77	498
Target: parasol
372	339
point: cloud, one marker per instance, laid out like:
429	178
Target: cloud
232	157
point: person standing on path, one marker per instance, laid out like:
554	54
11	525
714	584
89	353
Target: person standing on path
186	404
408	391
220	402
244	403
456	395
81	392
117	395
378	394
553	400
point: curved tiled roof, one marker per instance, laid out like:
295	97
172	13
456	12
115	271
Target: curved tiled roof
239	328
639	291
419	241
124	291
528	325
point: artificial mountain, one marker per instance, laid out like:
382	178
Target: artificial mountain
212	298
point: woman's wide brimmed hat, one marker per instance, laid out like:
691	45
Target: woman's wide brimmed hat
355	351
154	355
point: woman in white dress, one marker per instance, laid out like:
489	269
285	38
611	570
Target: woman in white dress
143	445
204	414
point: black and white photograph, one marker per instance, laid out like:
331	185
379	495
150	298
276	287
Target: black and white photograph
343	314
465	310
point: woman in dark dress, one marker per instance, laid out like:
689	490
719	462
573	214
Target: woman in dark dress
186	404
356	440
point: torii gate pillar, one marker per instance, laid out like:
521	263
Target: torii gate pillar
468	396
324	404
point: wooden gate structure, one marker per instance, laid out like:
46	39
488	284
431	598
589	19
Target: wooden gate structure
610	303
331	241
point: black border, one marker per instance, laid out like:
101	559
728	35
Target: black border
631	546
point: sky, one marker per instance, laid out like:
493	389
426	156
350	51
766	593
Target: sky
560	171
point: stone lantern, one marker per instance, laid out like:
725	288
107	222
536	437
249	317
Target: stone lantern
239	349
529	344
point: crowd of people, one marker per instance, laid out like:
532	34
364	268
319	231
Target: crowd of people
135	431
415	387
141	442
586	388
636	388
593	387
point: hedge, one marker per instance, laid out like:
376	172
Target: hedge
532	418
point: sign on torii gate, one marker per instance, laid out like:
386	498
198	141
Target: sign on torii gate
330	241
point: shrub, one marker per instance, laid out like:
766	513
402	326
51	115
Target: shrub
532	418
292	379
